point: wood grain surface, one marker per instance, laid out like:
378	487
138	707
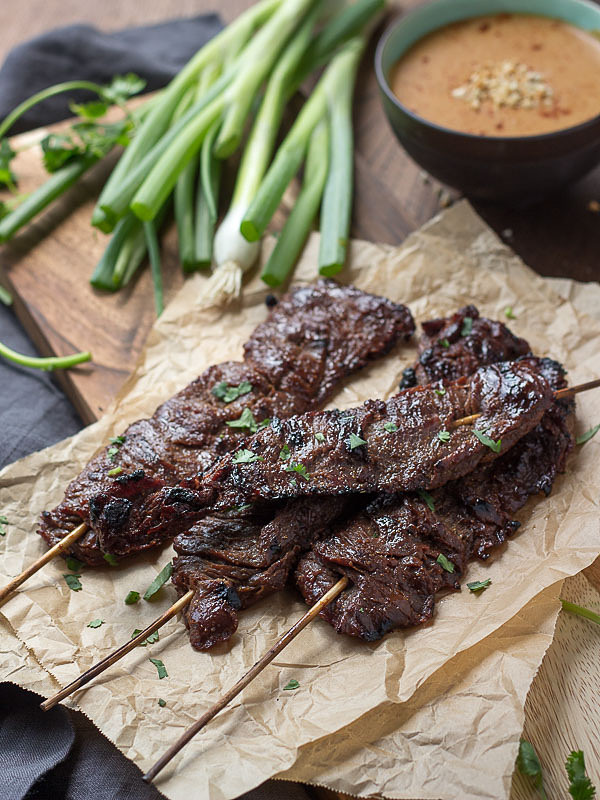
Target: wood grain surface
49	266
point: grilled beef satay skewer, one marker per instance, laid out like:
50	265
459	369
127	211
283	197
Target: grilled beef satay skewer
314	337
187	597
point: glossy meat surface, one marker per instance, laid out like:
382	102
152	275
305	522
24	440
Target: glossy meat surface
313	338
384	446
458	345
391	551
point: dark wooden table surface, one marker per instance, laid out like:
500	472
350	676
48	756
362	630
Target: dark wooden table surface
560	237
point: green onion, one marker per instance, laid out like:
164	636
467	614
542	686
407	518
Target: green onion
298	225
206	200
126	233
336	208
53	362
155	266
157	121
234	254
56	185
5	296
252	67
292	150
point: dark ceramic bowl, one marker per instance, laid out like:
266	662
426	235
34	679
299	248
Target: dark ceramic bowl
523	168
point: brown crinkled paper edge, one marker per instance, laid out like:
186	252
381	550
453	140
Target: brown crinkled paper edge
453	260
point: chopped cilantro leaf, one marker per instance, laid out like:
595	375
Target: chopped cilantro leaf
441	392
445	343
228	394
355	441
444	436
445	563
73	582
300	469
478	586
95	623
284	453
529	764
3	521
467	326
320	437
117	440
148	640
585	437
162	577
132	597
246	457
246	420
112	560
488	441
112	473
74	564
112	452
509	313
427	498
580	786
293	684
390	427
161	669
162	703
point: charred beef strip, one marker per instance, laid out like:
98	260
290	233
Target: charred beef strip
231	562
383	446
454	346
313	338
399	552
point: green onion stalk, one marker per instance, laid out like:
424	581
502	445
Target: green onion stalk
291	153
232	106
234	255
298	225
54	362
336	209
151	133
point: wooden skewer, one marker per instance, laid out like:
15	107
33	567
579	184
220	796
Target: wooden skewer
111	659
57	550
558	395
247	678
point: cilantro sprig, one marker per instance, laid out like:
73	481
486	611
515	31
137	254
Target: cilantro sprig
246	457
223	391
247	421
580	786
529	764
488	441
589	434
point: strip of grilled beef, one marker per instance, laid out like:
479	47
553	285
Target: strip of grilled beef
383	446
313	338
218	558
451	347
398	552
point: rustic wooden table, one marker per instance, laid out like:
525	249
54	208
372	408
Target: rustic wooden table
560	237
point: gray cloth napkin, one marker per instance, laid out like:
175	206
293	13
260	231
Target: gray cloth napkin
60	754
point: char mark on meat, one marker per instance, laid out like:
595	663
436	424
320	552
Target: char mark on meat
313	338
398	552
385	446
458	345
232	560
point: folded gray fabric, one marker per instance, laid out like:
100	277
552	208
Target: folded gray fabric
61	755
80	52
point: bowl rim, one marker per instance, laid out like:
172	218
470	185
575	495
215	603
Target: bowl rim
503	140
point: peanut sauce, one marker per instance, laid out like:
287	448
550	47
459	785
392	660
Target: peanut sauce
502	75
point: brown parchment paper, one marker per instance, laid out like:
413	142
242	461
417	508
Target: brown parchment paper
452	260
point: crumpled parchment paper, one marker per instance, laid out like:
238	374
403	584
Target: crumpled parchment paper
453	260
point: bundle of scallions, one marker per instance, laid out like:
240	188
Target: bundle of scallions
231	95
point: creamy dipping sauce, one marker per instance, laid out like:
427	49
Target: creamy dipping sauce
502	75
